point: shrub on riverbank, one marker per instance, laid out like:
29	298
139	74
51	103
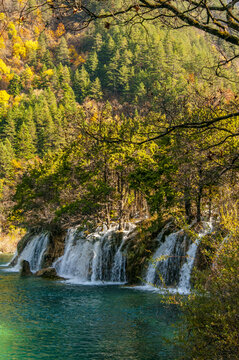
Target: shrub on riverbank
212	311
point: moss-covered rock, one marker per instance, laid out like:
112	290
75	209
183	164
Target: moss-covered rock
140	246
55	248
25	268
48	273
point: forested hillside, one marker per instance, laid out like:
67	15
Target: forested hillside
62	94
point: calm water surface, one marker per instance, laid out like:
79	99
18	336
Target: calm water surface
42	319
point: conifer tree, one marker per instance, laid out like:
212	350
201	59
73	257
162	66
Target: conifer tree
68	99
95	91
123	79
48	60
64	75
63	52
49	135
52	102
25	147
31	124
111	80
42	46
98	42
6	158
9	128
92	63
15	85
81	83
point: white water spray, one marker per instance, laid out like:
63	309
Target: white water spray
96	258
33	252
171	264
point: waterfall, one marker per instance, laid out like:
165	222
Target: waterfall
33	252
165	264
170	265
185	273
95	258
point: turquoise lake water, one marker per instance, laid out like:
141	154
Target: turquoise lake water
42	319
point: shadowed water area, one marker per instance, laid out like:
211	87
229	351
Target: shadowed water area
41	319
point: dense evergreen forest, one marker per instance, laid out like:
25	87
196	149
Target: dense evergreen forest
62	94
90	133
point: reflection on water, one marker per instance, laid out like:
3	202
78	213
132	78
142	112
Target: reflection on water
41	319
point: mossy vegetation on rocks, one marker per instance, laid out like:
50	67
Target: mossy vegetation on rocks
140	247
55	248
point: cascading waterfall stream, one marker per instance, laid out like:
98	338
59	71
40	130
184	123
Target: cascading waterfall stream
185	273
171	264
33	252
96	258
100	257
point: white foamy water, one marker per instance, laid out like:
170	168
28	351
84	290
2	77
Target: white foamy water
33	252
169	262
96	259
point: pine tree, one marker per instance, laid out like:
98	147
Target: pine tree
98	42
64	75
141	92
49	135
15	85
95	91
123	79
52	102
31	124
111	80
81	83
6	157
48	60
9	128
41	46
25	147
45	126
63	52
68	99
92	63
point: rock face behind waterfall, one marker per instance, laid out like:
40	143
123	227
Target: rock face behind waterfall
55	247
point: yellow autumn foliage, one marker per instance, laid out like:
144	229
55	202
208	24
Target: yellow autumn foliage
11	29
2	43
48	72
17	99
19	50
16	164
4	69
4	97
31	46
36	30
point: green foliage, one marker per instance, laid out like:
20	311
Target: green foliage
63	52
25	146
6	159
15	85
211	312
81	84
